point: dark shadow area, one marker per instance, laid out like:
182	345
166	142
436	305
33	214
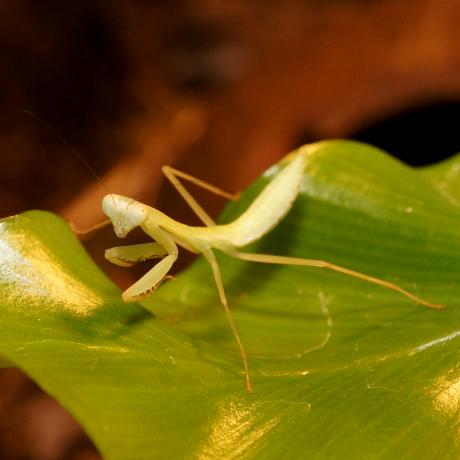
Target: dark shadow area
418	136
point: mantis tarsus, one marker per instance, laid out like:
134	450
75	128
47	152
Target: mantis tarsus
266	211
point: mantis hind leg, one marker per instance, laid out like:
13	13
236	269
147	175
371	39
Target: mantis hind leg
282	260
210	257
173	176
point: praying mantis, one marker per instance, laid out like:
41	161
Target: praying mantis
265	212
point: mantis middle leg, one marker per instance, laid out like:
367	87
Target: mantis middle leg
282	260
211	258
173	176
93	228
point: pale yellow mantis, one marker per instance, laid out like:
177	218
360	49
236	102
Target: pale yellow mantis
265	212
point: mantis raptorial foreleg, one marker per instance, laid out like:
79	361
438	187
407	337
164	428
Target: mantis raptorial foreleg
150	281
211	258
126	256
173	176
273	259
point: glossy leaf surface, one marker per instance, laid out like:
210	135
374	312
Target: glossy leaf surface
341	368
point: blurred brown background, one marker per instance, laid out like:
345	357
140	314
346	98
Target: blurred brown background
219	89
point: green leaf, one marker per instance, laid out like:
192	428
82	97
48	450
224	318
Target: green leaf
341	368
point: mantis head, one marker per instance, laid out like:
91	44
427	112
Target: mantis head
125	213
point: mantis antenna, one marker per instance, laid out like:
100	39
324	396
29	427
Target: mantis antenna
82	160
